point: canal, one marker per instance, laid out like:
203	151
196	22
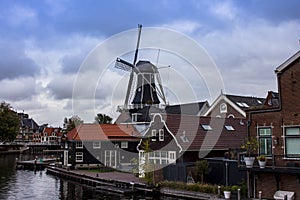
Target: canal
26	184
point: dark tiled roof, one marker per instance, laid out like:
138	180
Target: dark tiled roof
246	102
191	135
185	109
29	123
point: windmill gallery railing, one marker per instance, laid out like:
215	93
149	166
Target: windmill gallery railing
273	163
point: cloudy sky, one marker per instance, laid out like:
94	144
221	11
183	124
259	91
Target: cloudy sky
46	45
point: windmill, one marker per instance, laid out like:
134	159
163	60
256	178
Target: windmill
142	89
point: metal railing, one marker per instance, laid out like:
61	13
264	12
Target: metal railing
273	162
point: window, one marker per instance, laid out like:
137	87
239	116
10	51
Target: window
124	145
110	158
265	140
292	141
223	108
153	135
79	145
172	157
79	156
206	127
229	128
96	144
161	135
159	157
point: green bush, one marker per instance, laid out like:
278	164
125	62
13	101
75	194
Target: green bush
196	187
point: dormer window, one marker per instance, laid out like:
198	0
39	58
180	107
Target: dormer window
229	128
206	127
161	135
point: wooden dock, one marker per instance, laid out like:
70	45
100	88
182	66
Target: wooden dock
101	183
38	164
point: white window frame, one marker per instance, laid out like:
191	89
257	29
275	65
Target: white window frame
108	161
161	135
265	137
206	127
96	144
124	145
286	137
153	135
172	156
229	128
79	155
79	145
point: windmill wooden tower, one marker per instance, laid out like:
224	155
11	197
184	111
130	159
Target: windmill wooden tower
144	85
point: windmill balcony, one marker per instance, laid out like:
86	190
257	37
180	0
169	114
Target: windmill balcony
274	164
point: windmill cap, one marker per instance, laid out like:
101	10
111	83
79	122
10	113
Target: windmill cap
144	66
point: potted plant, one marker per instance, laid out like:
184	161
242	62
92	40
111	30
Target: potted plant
227	192
262	161
250	146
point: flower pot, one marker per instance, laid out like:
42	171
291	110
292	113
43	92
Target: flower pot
262	164
227	194
249	161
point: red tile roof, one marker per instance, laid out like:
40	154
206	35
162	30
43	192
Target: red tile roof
87	132
50	130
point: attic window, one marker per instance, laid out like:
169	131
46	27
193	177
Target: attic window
259	101
229	128
206	127
241	104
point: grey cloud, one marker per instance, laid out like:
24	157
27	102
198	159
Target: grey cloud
14	62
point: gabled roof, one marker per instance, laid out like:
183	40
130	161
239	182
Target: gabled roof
245	102
287	63
50	130
29	123
103	132
239	103
192	136
186	109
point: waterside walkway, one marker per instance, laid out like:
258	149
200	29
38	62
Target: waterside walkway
123	183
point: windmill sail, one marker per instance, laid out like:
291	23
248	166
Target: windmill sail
123	65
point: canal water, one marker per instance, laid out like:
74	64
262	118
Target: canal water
26	184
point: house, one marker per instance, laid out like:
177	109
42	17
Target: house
28	127
277	129
111	145
233	106
180	140
51	135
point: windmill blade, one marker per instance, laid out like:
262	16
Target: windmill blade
123	65
128	90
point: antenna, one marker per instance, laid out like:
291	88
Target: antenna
137	45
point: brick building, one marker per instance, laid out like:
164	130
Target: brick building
277	129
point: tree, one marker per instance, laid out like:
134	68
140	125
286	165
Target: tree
202	168
103	119
71	123
9	122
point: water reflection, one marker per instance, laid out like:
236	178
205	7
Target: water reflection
25	184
